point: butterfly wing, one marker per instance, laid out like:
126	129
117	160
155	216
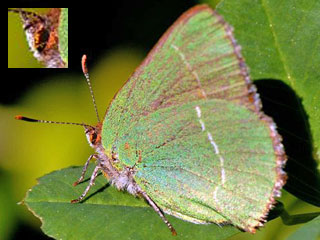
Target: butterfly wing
205	161
197	58
154	121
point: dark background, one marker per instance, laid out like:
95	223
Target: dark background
137	24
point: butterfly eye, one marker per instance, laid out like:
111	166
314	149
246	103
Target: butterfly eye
93	137
41	39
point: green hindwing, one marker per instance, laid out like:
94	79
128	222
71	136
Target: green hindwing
205	161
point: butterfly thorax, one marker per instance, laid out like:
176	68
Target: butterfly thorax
121	178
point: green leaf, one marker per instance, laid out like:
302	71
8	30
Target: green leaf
310	230
280	42
63	35
211	3
8	216
106	212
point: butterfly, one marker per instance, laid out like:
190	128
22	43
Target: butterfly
186	132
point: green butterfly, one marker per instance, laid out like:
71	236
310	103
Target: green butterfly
186	132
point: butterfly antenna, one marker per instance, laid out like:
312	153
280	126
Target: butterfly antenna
19	117
86	74
24	14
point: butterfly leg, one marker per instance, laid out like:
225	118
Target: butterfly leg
159	211
92	179
84	169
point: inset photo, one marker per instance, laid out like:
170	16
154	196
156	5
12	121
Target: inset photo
37	37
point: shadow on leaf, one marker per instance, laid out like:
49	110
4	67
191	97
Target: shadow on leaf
285	107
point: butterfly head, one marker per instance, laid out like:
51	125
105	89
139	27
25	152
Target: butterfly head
93	135
37	29
42	35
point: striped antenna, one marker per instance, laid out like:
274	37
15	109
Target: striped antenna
19	117
24	13
86	74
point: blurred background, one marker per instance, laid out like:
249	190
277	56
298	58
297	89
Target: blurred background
116	38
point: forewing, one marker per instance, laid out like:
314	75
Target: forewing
197	58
